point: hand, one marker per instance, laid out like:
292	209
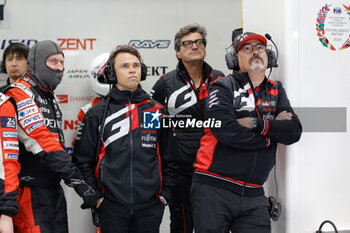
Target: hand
89	195
284	116
245	122
6	224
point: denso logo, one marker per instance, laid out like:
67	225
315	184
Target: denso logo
70	124
149	44
5	42
76	43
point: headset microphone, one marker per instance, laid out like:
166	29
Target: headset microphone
274	62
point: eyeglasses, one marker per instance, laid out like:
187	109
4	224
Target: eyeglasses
188	43
248	48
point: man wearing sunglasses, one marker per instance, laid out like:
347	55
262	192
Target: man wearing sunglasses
235	160
183	91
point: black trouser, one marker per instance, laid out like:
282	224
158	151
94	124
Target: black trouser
181	219
117	218
215	208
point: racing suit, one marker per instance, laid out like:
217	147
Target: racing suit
133	167
9	166
43	161
183	100
236	161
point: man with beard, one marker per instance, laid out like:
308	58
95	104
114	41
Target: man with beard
42	156
183	91
235	160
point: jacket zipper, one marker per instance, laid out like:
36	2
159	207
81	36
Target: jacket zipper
131	159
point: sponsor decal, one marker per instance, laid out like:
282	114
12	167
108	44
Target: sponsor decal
7	134
25	103
41	100
64	99
70	124
44	110
26	112
149	44
148	138
10	145
151	120
6	42
83	73
52	123
8	122
76	43
30	120
69	151
34	126
156	70
11	156
148	145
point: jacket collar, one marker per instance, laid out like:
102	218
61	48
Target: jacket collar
184	76
125	97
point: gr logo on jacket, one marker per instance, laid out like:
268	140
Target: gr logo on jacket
237	158
133	165
183	100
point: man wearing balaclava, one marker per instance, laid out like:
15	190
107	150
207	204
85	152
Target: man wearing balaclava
42	156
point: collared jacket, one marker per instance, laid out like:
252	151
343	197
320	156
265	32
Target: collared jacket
133	166
9	166
232	156
185	102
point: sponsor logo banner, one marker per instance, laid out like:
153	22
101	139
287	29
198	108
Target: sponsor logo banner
11	156
8	122
34	126
25	103
149	44
76	43
10	145
64	99
7	134
31	119
28	111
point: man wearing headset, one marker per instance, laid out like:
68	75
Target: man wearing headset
14	62
124	150
183	91
234	160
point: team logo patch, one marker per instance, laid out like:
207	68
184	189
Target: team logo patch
7	134
31	119
11	156
151	120
10	145
25	103
28	111
34	126
8	122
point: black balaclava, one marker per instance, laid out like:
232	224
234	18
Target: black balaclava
38	54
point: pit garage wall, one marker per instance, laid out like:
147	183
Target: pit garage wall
87	28
313	175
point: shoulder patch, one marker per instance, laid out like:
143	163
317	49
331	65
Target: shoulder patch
3	98
8	122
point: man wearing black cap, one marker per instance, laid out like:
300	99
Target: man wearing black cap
42	156
234	161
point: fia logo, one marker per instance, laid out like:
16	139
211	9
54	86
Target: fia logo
151	120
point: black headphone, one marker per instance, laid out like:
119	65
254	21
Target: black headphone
232	57
109	75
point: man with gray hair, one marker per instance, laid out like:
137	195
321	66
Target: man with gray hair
42	156
183	91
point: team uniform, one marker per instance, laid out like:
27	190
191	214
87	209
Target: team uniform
132	168
9	166
233	162
184	101
43	160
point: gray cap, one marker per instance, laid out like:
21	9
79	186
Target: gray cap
38	54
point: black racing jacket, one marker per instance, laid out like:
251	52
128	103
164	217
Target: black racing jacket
178	93
133	166
232	156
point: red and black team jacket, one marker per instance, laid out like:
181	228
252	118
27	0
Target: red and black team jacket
42	156
183	100
232	156
9	166
133	165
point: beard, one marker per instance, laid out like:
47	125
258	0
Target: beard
254	66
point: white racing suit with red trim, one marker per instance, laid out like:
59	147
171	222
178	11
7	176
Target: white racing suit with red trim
9	166
43	161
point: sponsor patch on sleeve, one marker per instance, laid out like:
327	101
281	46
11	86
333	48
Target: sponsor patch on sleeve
27	111
8	122
30	120
11	156
10	145
25	103
7	134
34	126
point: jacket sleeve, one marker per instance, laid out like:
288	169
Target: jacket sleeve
84	154
220	107
282	131
9	166
169	164
158	92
